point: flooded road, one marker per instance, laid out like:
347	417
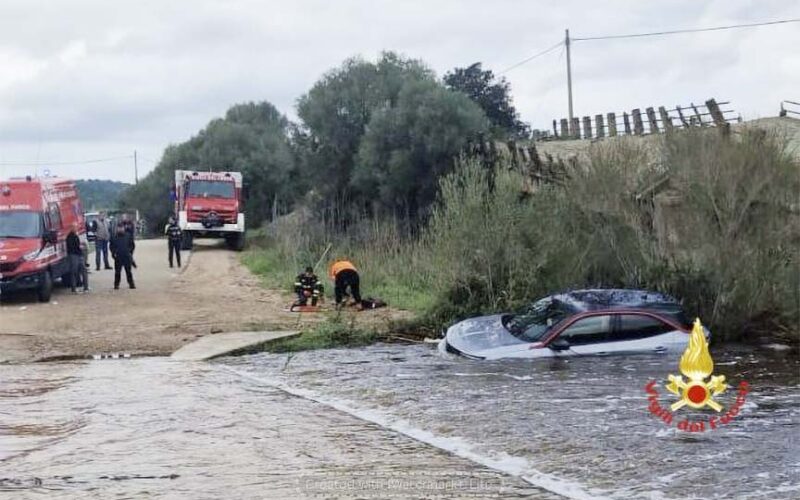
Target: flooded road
389	421
145	428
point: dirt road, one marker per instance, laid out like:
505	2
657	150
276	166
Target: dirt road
212	293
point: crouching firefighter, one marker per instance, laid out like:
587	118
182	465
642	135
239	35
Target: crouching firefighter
344	275
307	285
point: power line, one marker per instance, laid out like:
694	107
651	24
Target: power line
693	30
40	163
531	58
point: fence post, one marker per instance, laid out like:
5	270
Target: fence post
683	119
626	120
698	116
575	128
587	127
598	125
638	126
716	114
651	118
612	124
564	129
666	121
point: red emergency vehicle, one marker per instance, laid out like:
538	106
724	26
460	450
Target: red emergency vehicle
36	215
210	204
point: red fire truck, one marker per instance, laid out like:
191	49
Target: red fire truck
36	215
210	204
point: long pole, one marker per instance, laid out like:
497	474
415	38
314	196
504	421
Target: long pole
569	76
135	168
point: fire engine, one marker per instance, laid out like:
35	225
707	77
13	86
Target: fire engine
36	215
210	204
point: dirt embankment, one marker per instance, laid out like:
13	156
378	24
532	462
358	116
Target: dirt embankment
212	293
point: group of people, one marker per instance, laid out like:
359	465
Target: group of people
120	242
345	278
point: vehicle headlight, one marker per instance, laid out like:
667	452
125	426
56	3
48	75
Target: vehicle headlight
32	255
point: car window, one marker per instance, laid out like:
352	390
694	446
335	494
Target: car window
639	326
588	330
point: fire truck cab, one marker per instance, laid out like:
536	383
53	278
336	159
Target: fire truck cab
210	204
36	215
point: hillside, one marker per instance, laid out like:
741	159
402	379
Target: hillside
97	194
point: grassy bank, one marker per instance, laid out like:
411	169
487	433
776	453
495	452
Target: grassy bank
711	219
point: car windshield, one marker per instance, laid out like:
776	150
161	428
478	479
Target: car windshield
534	322
20	224
211	189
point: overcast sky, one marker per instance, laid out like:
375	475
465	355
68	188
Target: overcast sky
94	79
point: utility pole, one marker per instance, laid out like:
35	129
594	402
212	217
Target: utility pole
569	77
136	168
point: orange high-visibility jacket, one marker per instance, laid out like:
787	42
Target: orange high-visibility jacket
339	266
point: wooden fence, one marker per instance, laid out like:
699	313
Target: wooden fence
652	121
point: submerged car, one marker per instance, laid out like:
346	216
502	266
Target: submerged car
581	322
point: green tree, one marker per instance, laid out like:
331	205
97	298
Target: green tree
252	138
336	111
407	147
492	95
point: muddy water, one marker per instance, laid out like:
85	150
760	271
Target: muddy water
148	428
579	427
389	421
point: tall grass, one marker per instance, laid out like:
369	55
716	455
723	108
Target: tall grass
709	218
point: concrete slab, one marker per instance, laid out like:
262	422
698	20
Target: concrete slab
220	344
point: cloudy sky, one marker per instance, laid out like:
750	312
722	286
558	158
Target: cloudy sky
94	79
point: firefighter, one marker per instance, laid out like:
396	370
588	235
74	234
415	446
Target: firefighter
75	252
130	228
122	250
174	234
307	285
344	275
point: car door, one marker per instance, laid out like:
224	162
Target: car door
643	333
588	335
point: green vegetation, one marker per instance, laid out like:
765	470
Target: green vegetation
493	96
99	194
252	139
720	233
334	333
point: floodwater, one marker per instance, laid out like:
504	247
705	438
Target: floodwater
393	421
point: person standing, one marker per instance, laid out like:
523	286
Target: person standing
101	238
344	275
130	228
122	250
75	252
174	234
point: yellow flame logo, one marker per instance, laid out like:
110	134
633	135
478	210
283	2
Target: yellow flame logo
696	364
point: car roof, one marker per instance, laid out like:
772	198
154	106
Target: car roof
615	298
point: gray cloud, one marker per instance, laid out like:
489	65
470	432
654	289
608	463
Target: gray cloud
92	79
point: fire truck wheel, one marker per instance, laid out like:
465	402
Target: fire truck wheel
238	242
186	241
45	287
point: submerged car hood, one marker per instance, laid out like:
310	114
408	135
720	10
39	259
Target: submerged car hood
475	335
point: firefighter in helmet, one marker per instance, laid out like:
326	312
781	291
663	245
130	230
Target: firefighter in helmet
307	285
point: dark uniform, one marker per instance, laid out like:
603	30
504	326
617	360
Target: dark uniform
122	250
130	229
174	234
307	285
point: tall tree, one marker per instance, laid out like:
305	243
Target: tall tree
408	146
252	138
493	95
337	109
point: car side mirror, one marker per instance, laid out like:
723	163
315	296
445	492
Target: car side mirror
559	345
50	236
